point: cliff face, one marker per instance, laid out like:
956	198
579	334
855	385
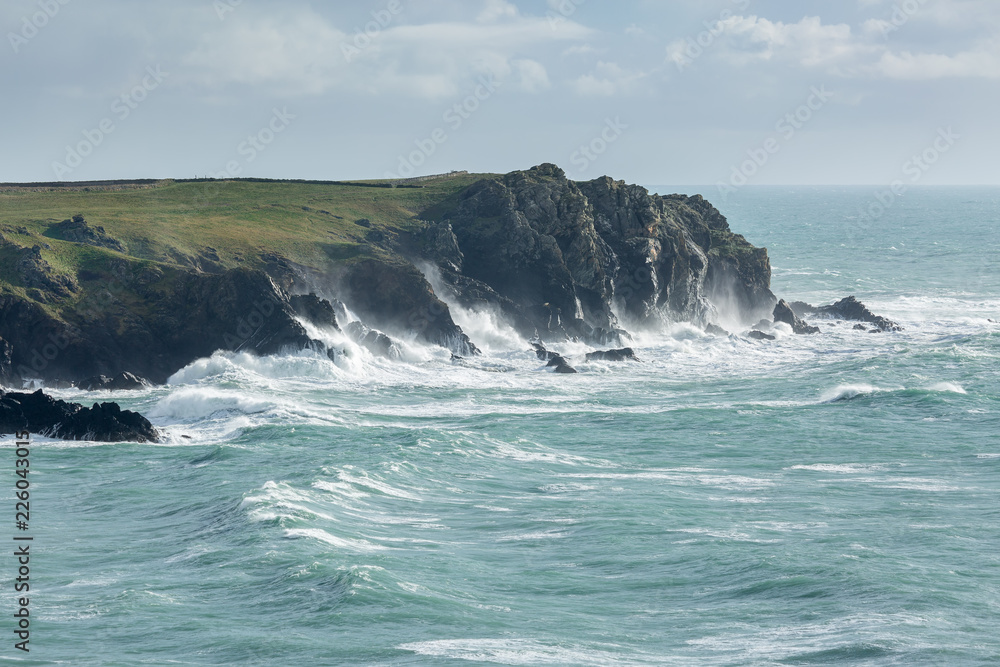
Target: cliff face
557	258
597	255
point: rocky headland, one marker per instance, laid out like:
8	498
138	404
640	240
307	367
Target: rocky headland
254	267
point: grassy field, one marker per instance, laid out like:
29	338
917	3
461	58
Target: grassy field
173	222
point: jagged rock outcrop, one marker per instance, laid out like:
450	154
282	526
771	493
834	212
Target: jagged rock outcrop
6	363
319	311
373	340
42	281
152	324
784	313
570	255
849	309
555	361
78	230
124	381
396	296
43	415
852	309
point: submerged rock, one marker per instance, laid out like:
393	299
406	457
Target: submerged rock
852	309
45	416
784	313
760	335
716	330
624	354
373	340
124	381
556	361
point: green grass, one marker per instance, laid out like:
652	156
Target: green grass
309	224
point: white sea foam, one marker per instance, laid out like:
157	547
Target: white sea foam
512	651
347	544
947	387
846	392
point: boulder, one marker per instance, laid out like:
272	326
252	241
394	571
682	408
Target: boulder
43	415
784	313
760	335
624	354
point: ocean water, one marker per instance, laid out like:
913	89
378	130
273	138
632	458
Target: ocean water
830	499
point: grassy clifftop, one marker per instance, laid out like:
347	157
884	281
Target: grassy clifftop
223	224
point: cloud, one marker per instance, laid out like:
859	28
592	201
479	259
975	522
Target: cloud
742	41
607	80
302	53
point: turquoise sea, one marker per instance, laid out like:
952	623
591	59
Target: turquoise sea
830	499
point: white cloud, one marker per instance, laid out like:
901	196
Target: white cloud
532	76
302	53
810	44
968	64
607	80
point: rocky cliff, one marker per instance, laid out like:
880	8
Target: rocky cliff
557	258
586	259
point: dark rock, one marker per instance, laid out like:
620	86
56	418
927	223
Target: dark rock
852	309
38	276
152	330
124	381
716	330
802	309
78	230
760	335
395	296
564	251
375	341
440	245
6	363
784	313
625	354
556	361
860	327
363	222
48	417
319	311
375	236
561	365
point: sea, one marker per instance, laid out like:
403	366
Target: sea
815	500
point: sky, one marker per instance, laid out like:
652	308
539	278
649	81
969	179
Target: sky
720	92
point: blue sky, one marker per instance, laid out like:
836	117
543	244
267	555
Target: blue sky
680	92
